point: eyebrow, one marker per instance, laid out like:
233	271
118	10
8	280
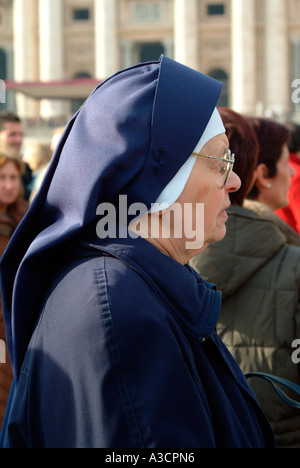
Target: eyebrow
222	151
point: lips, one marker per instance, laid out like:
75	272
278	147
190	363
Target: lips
223	213
226	208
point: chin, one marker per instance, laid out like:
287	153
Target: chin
219	234
284	203
9	201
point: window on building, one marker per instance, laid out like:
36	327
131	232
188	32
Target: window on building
150	51
81	14
150	12
215	9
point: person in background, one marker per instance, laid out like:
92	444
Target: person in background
40	154
113	334
273	172
12	209
291	213
257	268
56	135
37	155
11	133
11	140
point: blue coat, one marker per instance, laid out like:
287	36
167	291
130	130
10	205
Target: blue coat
112	343
125	354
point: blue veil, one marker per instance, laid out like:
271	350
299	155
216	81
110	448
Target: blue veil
130	137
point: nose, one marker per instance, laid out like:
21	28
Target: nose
8	184
233	183
292	171
19	139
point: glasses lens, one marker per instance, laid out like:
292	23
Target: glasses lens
227	164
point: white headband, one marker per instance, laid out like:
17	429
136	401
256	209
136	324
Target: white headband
174	188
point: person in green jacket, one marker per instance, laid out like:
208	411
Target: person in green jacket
257	268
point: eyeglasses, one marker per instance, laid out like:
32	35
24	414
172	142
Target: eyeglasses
226	166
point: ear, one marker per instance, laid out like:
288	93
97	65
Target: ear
263	181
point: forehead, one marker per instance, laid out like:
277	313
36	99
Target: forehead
9	167
222	138
216	144
12	127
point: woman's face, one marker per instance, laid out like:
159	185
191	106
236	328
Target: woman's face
9	184
205	187
198	216
281	182
274	191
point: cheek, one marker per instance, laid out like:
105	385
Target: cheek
202	188
16	187
212	207
283	182
11	187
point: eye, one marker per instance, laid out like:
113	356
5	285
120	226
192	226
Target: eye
222	168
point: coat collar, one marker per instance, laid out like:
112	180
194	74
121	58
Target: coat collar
194	302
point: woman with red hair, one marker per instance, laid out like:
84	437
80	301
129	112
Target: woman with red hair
274	171
257	267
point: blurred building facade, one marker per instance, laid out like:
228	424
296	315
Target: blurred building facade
252	46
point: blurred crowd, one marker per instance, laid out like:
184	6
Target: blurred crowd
21	174
256	266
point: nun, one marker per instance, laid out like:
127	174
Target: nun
110	333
